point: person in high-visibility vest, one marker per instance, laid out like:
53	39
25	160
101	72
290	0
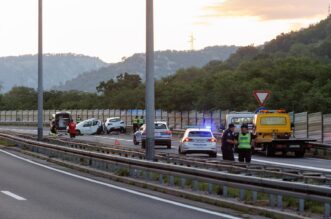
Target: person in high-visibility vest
135	123
78	119
244	140
141	121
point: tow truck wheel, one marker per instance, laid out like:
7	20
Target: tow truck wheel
269	152
299	153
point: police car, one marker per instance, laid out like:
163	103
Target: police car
198	140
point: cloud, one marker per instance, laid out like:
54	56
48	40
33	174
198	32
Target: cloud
268	9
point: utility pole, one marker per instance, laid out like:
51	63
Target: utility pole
40	70
150	91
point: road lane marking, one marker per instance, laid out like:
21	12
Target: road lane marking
17	197
178	204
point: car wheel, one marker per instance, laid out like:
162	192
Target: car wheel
122	130
143	144
135	142
213	155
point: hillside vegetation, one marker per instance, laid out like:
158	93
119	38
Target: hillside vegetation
166	63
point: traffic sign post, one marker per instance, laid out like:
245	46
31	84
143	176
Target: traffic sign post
262	96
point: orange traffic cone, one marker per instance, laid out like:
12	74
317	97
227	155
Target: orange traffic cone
117	142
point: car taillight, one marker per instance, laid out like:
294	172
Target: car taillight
167	132
212	140
187	140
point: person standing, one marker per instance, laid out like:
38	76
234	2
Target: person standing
228	143
244	140
53	130
78	119
141	121
72	129
135	124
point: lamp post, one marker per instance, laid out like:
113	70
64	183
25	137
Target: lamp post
150	95
40	70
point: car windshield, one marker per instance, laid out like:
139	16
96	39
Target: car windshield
200	134
242	120
273	121
160	126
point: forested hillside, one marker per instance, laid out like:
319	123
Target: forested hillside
166	63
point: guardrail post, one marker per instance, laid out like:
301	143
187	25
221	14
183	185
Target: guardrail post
326	210
210	188
161	179
280	201
241	194
195	185
225	191
301	205
272	200
254	196
182	182
171	180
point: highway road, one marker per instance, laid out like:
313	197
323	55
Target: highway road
33	189
126	140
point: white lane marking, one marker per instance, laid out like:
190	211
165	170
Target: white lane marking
17	197
288	165
124	189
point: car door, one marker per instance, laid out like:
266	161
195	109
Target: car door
94	127
86	128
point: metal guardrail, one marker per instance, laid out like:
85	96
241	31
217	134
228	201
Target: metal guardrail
180	176
261	170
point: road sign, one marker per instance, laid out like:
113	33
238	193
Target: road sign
262	96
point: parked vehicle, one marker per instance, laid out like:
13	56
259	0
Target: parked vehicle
273	130
196	140
162	135
61	120
115	124
239	118
89	127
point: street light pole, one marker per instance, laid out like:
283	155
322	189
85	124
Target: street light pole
150	96
40	70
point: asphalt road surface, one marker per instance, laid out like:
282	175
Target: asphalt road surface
33	190
126	140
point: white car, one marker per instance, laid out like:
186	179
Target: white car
162	135
115	124
89	127
197	140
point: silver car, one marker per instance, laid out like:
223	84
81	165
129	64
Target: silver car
198	141
162	135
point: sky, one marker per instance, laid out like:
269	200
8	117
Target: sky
113	29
